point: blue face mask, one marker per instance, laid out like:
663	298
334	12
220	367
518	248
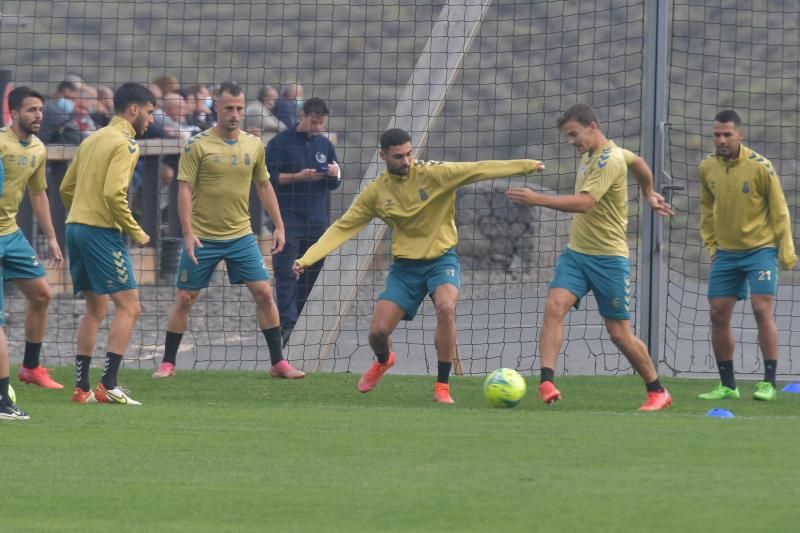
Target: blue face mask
65	104
208	102
299	102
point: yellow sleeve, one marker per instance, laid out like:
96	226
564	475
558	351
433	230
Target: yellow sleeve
629	156
67	188
454	175
260	173
115	192
38	181
189	163
780	221
707	233
355	219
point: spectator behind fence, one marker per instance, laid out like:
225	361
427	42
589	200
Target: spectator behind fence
104	108
84	107
259	119
303	168
58	124
290	103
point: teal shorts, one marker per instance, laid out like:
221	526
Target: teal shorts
410	280
18	260
98	260
607	276
242	257
732	273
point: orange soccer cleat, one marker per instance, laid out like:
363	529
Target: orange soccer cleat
165	370
82	396
38	376
441	393
657	400
373	376
548	392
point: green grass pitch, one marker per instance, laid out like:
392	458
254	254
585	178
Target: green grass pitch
238	451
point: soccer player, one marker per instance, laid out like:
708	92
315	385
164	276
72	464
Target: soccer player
745	225
216	170
303	169
417	199
95	194
596	257
24	158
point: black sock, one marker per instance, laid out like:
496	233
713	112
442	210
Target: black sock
171	345
82	364
444	372
4	399
547	374
274	343
32	351
654	386
382	357
110	370
770	369
726	374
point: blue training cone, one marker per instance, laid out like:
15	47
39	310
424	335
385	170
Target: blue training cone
792	387
720	413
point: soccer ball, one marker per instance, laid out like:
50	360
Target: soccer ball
504	388
11	394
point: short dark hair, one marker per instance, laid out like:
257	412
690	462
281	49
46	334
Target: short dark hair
394	137
16	97
230	87
66	86
132	93
315	106
583	114
728	115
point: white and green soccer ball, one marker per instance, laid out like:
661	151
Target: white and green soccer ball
11	394
504	388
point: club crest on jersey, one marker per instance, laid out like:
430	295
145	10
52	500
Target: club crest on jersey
321	158
746	187
246	159
422	194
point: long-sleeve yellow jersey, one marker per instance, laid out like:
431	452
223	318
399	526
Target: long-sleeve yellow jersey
419	207
742	206
95	188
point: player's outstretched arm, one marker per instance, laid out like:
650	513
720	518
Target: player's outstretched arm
569	203
454	175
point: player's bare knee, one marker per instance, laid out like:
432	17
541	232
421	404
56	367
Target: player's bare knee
41	298
555	309
446	312
186	299
762	312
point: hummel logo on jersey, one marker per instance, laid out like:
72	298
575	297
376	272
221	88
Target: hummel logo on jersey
132	149
389	202
423	195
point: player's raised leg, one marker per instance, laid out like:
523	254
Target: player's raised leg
385	318
269	322
445	299
38	295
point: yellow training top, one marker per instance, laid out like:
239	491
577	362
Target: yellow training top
742	206
95	187
603	230
419	207
24	164
221	173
